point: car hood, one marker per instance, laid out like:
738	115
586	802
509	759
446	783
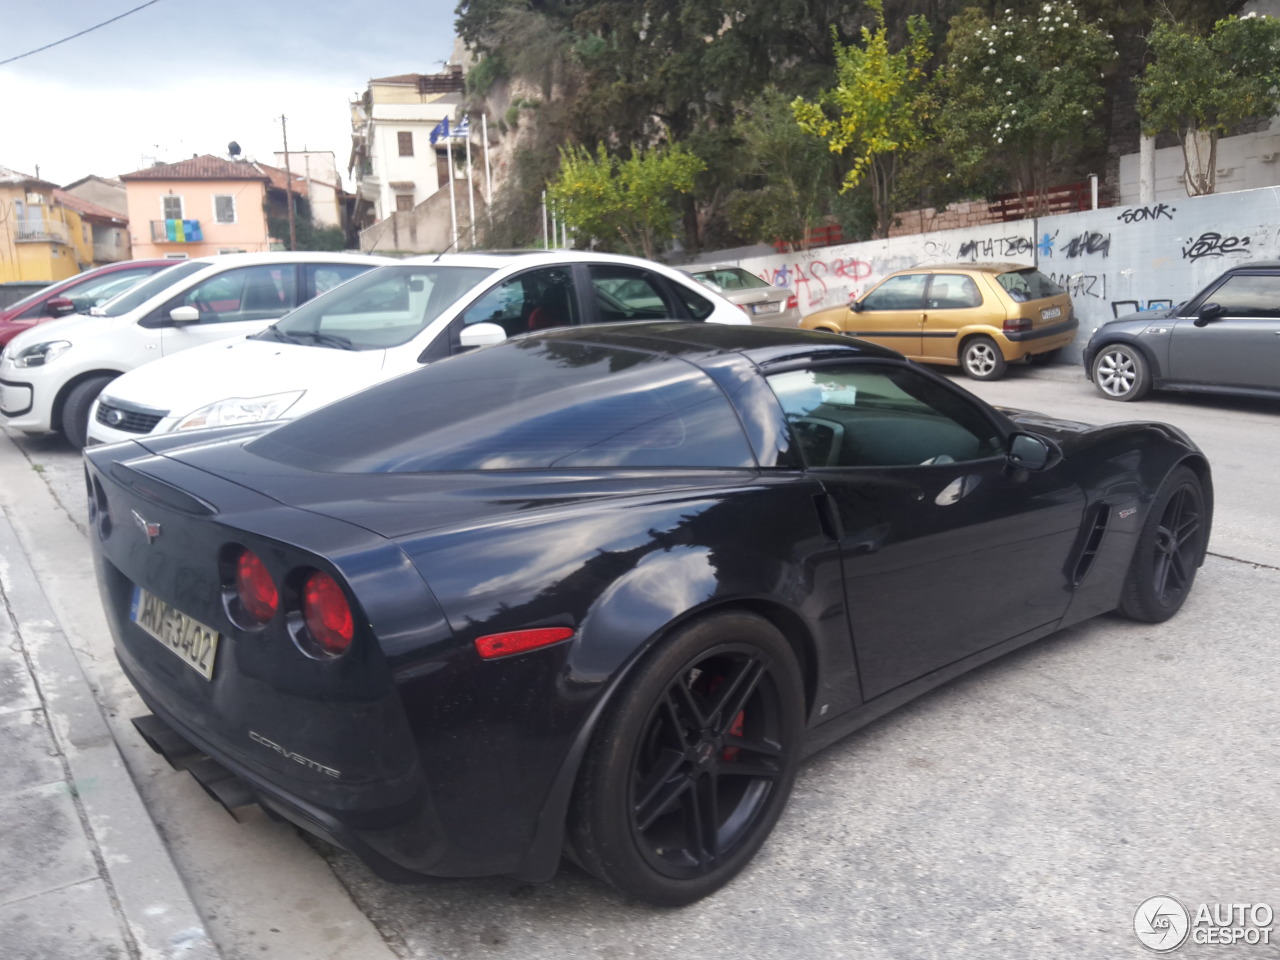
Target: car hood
70	327
187	381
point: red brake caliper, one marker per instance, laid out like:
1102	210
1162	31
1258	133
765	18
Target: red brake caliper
731	753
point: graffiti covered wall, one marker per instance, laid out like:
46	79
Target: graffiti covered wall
1112	261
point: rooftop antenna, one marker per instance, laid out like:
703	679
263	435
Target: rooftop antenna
233	149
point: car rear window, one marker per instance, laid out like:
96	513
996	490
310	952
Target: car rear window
1028	284
531	404
731	278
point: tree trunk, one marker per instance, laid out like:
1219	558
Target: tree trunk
1199	161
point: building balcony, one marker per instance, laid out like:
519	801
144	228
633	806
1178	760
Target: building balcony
109	252
41	231
176	231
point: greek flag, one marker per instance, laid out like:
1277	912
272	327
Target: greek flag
441	129
462	129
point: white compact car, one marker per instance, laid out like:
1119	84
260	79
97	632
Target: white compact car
50	375
386	323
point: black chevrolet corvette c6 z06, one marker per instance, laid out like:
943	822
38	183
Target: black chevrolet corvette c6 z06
598	590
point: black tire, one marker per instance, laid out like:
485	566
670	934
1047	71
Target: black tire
1121	372
981	359
1169	551
707	733
1044	359
75	409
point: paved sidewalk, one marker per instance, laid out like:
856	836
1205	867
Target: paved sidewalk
83	872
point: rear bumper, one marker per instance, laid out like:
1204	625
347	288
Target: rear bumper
214	771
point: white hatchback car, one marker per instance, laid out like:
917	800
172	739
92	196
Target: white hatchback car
388	322
51	375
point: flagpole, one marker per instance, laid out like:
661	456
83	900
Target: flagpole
471	193
545	244
488	173
453	202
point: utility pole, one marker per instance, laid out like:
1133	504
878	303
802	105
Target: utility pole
288	186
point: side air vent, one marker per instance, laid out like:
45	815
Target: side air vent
1097	527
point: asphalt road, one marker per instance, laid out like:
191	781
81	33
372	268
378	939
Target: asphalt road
1024	810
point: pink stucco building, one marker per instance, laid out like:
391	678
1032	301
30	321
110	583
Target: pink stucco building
205	205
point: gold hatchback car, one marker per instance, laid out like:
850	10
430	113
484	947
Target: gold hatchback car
979	316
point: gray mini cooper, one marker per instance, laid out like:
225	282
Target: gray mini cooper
1225	339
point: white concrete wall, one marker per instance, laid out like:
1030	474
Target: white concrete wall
1112	261
1246	162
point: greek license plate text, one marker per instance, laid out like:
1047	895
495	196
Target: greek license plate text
191	640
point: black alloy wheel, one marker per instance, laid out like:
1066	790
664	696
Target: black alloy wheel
688	775
1169	551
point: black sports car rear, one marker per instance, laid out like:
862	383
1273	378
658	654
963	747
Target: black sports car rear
605	586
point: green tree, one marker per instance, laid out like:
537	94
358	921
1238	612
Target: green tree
789	173
1022	93
876	109
629	201
1203	86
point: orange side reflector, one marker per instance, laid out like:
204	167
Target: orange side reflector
520	641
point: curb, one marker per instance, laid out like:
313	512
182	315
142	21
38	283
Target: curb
147	891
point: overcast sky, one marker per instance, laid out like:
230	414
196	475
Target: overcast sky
187	76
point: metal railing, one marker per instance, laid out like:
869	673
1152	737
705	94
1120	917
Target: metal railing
42	231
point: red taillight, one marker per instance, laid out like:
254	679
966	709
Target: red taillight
1017	325
793	302
520	641
257	591
327	613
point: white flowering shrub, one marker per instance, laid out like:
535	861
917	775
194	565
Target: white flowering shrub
1023	90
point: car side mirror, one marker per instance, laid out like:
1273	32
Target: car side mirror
1209	312
1029	452
856	306
181	316
480	335
60	306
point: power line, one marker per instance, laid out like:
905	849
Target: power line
80	34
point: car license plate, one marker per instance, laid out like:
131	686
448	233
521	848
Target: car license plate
1050	313
774	307
191	640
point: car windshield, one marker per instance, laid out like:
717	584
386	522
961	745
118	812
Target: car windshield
730	278
1028	284
383	308
144	291
531	404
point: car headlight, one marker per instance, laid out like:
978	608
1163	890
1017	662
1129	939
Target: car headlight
235	410
38	354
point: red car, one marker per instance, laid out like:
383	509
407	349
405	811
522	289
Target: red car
76	294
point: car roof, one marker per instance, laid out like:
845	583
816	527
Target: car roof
692	341
287	256
501	259
1004	266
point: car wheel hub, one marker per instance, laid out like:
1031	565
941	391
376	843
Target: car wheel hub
1116	374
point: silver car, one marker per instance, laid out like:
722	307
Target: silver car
765	304
1225	339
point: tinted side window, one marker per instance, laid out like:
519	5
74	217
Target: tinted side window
897	293
533	300
1028	284
1247	295
628	293
537	404
247	293
953	291
699	307
867	415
